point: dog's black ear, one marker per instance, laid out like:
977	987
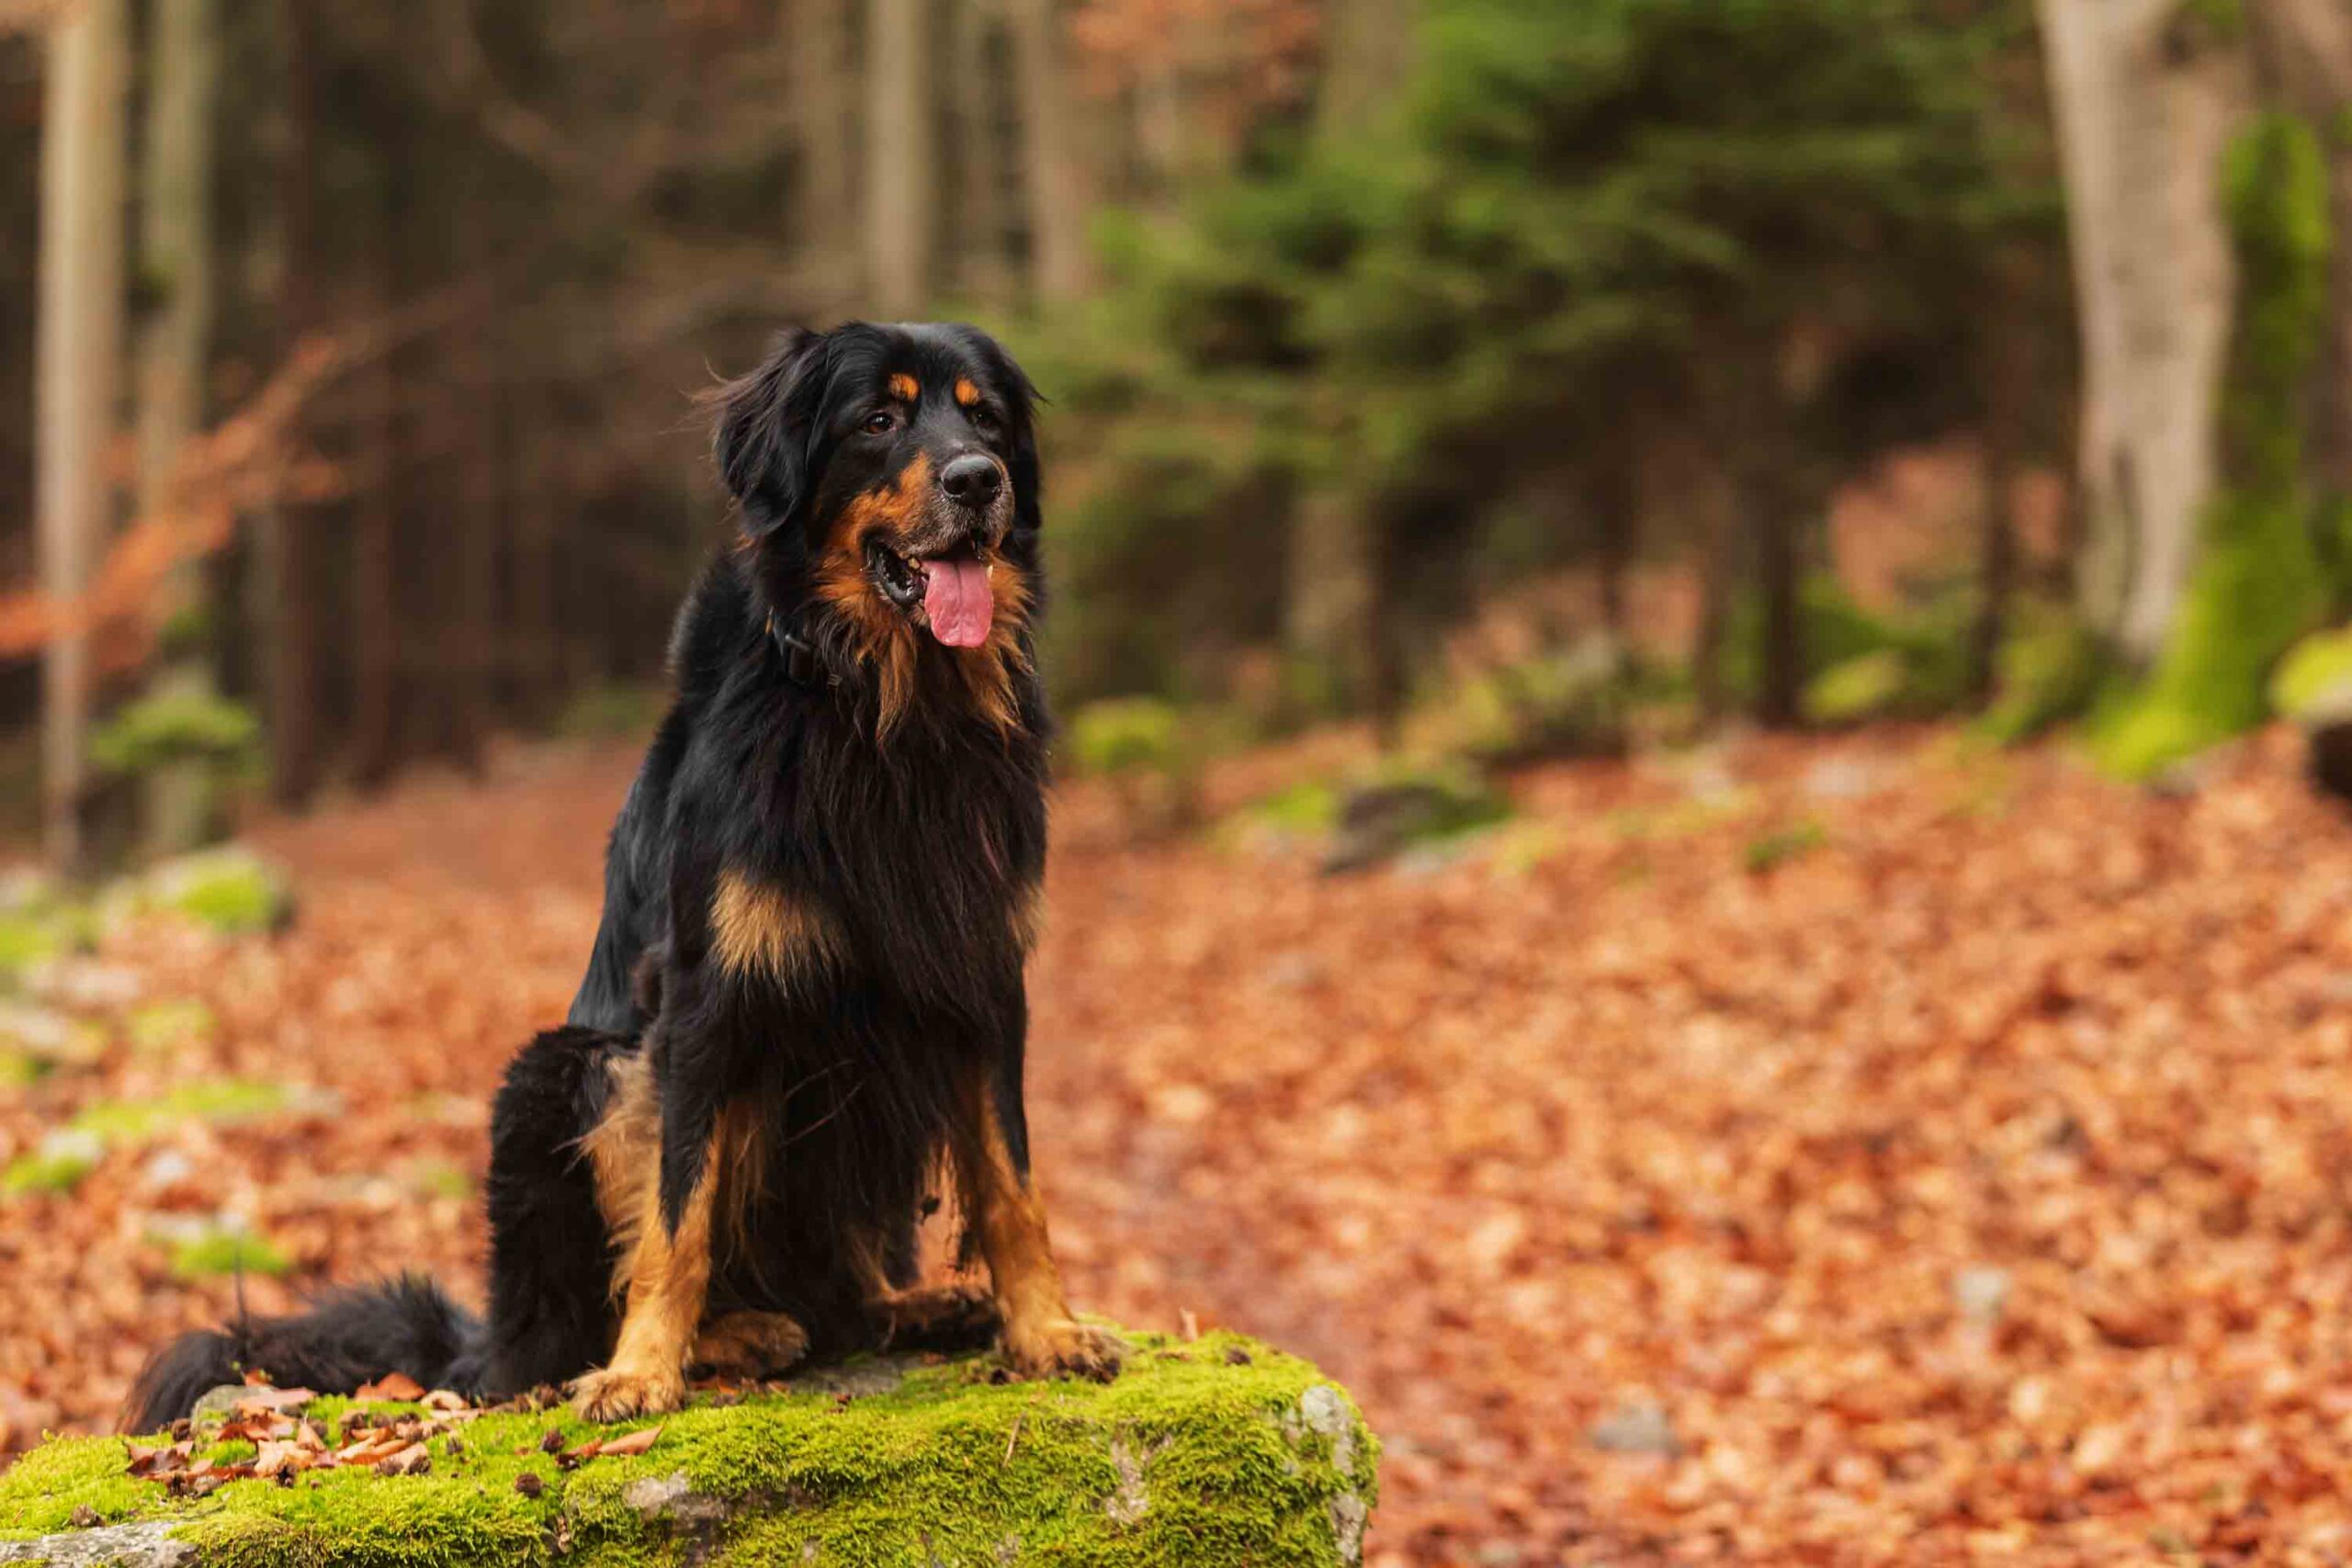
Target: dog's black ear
765	434
1028	475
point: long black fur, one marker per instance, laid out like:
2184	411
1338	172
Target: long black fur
924	843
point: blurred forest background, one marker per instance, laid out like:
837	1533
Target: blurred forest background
1520	445
1526	379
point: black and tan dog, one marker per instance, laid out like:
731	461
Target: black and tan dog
806	1004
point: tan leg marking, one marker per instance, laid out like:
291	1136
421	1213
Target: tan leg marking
1008	1217
669	1275
665	1276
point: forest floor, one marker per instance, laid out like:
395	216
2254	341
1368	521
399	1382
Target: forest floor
1867	1150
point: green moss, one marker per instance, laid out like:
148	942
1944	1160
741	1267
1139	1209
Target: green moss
439	1179
1783	845
2259	584
1862	687
1192	1456
1918	658
216	1253
231	890
25	940
223	1100
1128	735
178	726
613	711
2317	673
2051	670
161	1028
58	1164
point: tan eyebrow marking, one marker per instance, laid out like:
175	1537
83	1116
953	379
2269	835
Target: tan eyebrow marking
965	393
906	386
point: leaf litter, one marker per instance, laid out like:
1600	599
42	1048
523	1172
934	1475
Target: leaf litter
1962	1176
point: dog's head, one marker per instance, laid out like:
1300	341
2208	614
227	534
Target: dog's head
887	480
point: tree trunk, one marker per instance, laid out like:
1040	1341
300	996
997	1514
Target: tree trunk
2306	45
977	91
2006	372
902	174
2145	98
1056	177
1327	603
1337	642
824	84
375	738
283	583
175	261
1780	572
76	373
538	596
1996	564
473	690
1367	53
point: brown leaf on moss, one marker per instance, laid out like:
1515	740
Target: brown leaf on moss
391	1386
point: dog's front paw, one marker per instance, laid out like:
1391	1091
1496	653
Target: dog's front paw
1063	1347
959	1311
748	1343
615	1393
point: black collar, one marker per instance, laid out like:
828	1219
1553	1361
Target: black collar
801	665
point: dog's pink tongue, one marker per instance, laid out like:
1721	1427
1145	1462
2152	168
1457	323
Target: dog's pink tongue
955	594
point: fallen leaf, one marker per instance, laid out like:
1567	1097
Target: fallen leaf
390	1386
629	1443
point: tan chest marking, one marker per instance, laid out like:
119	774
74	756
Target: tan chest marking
762	930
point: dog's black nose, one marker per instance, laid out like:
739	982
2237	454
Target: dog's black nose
971	480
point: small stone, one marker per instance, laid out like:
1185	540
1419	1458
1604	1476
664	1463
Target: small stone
1981	1294
166	1169
1637	1429
219	1404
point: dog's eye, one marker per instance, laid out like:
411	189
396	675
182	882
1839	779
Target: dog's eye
881	421
984	420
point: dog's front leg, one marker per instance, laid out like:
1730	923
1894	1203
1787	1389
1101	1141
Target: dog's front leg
668	1271
1008	1218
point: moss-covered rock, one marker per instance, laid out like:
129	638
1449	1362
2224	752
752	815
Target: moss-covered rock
1213	1452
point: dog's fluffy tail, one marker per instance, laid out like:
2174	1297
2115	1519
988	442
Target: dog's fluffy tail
348	1337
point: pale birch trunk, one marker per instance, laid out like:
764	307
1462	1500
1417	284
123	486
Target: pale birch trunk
76	374
2144	110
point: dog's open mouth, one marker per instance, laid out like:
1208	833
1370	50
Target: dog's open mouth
950	592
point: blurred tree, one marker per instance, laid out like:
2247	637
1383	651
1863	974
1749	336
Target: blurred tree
1767	224
2207	167
901	163
2146	94
282	604
175	343
79	350
817	35
1061	266
1335	592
